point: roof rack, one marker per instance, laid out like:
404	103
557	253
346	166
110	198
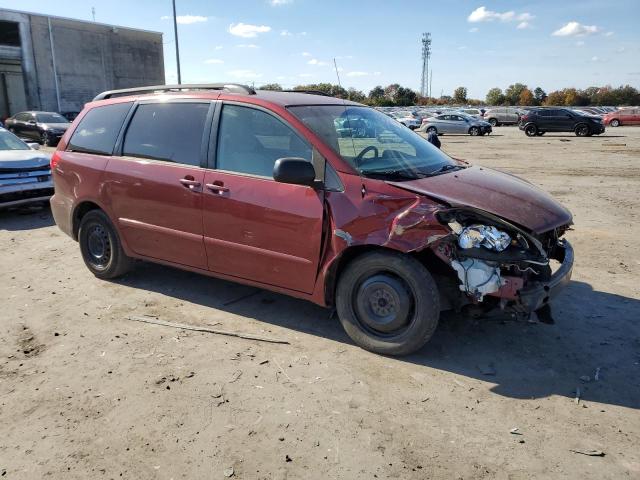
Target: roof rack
310	92
229	87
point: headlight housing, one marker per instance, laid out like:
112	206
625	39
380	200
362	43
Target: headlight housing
478	235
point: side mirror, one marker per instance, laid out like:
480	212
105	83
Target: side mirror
34	146
297	171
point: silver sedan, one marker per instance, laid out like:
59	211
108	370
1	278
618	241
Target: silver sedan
455	123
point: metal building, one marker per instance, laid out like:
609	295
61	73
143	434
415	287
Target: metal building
58	64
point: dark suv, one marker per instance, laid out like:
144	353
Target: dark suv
270	189
538	121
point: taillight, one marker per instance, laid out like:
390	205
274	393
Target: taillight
55	158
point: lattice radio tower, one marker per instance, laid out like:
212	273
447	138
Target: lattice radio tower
426	55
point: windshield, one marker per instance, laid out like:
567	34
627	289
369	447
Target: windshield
51	118
8	141
373	143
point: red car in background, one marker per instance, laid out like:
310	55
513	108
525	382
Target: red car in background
268	189
624	116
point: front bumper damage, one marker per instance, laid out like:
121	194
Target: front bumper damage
516	271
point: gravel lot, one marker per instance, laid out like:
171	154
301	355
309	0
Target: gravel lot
86	393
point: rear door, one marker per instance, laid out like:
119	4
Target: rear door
459	124
155	181
254	227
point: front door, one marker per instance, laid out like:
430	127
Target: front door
156	185
254	227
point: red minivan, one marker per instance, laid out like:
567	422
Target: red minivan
308	195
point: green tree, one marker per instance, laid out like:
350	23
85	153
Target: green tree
512	93
405	97
356	95
495	96
555	98
271	86
539	95
376	95
460	95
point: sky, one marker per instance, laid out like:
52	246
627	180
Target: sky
476	44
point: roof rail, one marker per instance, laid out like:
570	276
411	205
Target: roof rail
229	87
310	92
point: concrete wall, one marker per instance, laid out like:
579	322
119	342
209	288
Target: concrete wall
89	58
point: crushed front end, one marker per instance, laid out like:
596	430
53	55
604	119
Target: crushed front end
500	264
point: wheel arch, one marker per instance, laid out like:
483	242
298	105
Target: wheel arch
80	210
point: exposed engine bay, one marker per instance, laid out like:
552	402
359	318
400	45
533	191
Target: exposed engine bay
495	258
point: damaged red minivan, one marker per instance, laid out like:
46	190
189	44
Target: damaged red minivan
308	195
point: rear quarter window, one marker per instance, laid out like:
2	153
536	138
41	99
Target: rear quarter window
98	130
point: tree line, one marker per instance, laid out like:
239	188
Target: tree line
516	94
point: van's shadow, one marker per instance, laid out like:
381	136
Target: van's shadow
594	330
26	218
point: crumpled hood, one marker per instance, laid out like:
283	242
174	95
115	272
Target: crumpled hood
22	159
501	194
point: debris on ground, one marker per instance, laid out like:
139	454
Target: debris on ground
515	431
248	336
228	472
590	453
577	399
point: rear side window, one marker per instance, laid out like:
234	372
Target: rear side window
171	132
250	141
98	130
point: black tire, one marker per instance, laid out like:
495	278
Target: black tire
101	247
539	134
432	129
582	130
614	123
474	131
388	303
531	130
493	122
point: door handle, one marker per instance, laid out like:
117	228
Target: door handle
217	188
189	183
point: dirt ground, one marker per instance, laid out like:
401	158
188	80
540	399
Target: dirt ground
87	393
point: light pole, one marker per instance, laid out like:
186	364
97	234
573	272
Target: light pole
175	32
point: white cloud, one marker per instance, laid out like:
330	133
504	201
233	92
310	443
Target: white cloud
609	34
525	17
595	59
473	30
481	14
303	34
523	25
315	61
285	33
214	61
357	74
572	29
247	45
306	54
281	77
246	30
620	50
462	47
246	74
278	3
186	19
218	47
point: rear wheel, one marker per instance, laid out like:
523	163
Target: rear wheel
432	130
474	131
44	138
531	130
582	131
101	247
615	122
493	122
388	303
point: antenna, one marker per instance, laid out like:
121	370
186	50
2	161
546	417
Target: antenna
93	13
335	65
426	55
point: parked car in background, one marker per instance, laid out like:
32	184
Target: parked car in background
25	174
459	123
44	127
259	187
473	112
503	116
624	116
71	116
539	121
407	119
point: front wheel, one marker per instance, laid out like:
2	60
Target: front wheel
493	122
615	122
432	130
531	130
100	246
582	131
474	131
388	303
